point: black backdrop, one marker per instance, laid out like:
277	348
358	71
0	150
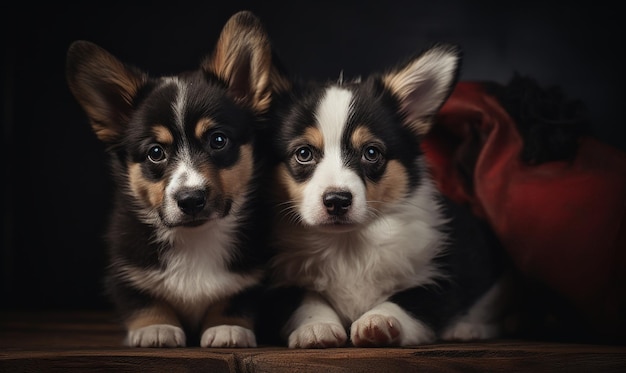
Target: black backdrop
55	184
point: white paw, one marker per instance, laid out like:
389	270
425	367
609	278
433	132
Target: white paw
375	331
161	335
320	335
388	324
466	331
228	336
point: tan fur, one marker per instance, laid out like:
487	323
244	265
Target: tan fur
423	85
203	126
236	178
393	184
244	33
391	187
151	194
162	135
159	313
400	84
107	125
361	136
313	136
286	188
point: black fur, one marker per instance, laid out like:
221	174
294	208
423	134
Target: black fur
474	261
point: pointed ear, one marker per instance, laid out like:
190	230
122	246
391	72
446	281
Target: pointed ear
423	85
243	60
104	87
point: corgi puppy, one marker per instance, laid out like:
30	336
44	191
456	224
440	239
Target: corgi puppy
382	258
187	229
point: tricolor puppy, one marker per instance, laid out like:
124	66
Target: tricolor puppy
186	233
383	257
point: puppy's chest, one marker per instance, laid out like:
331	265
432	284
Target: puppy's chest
357	274
353	290
195	270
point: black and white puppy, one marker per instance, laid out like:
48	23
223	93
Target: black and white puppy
187	229
383	258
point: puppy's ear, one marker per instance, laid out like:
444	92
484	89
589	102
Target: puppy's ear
423	85
243	60
104	87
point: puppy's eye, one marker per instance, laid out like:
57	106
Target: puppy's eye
217	140
156	154
372	154
304	155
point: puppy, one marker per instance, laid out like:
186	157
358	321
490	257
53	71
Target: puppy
186	234
382	257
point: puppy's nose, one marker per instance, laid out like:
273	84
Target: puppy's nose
337	202
191	201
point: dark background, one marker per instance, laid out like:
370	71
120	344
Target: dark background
55	183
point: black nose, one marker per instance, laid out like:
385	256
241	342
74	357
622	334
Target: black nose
337	203
191	201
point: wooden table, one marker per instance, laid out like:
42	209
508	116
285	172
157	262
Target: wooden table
58	341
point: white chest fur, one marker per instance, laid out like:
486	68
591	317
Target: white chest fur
195	272
357	270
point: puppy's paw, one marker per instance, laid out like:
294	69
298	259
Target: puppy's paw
375	331
321	335
160	335
467	331
228	336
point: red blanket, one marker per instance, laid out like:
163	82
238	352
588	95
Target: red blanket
562	222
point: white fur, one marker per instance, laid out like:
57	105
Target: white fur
435	69
228	336
158	335
184	176
355	271
195	270
332	115
394	323
314	325
331	173
180	104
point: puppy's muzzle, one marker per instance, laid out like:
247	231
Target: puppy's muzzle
337	203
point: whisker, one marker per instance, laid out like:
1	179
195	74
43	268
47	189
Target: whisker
289	212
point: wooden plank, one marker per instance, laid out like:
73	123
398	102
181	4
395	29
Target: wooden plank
454	357
85	341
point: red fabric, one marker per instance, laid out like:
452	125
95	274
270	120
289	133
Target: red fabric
563	223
